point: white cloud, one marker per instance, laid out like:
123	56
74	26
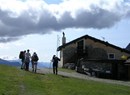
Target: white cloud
24	17
4	46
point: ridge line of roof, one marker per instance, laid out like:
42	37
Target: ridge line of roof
98	40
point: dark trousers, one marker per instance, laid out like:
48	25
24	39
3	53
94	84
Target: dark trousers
55	70
27	66
23	64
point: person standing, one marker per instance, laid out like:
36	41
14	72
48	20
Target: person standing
55	64
34	62
32	58
22	57
27	60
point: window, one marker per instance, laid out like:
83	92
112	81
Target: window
111	56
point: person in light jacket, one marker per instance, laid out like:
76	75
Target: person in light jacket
27	60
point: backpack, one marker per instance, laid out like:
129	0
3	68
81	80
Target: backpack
36	58
21	55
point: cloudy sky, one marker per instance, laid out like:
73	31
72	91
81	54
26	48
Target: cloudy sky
37	24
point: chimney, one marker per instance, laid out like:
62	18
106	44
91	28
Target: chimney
63	39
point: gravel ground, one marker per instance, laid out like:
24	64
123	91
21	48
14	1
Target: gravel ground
83	76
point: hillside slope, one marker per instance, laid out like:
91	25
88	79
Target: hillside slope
14	81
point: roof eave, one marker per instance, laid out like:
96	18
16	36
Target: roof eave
97	40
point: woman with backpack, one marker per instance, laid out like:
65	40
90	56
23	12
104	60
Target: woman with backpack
34	62
22	57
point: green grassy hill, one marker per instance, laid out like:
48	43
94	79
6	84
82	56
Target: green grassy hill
14	81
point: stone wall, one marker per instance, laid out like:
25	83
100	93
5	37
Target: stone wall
97	65
129	72
69	54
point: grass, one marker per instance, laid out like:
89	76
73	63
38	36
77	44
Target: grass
14	81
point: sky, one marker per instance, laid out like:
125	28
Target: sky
38	24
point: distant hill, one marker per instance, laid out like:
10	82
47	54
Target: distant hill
18	63
11	63
44	65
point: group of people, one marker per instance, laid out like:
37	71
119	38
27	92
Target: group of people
26	57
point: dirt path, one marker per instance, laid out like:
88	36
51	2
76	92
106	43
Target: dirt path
82	76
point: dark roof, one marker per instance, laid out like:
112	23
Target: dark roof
94	39
128	47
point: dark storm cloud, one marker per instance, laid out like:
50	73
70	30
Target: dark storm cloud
97	19
29	22
47	22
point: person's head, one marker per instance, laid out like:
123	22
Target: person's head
28	50
24	51
34	53
54	56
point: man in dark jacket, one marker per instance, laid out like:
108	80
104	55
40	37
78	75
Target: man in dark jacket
55	64
34	62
